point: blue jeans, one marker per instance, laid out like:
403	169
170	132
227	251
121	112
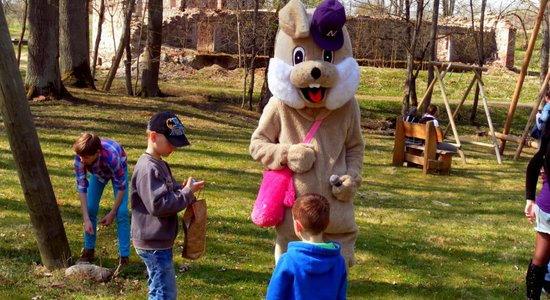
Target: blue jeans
162	275
95	191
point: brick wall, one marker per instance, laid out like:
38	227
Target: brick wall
373	38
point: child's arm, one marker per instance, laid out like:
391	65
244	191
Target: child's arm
160	199
280	283
108	219
82	189
84	206
545	112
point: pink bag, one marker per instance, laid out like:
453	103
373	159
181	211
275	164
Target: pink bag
277	192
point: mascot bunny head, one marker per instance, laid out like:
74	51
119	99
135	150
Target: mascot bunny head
313	64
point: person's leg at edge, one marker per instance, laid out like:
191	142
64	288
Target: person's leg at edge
123	222
95	191
538	266
162	275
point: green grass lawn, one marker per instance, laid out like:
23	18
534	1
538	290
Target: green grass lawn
461	236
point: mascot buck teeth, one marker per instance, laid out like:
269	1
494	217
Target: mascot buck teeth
313	76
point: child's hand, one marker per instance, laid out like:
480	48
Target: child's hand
193	185
108	219
529	210
88	227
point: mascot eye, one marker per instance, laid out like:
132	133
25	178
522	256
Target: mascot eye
327	56
299	54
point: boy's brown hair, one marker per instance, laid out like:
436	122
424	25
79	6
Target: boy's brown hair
313	212
87	144
432	109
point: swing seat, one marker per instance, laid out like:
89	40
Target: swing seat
425	154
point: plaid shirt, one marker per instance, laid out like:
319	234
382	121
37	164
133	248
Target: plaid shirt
111	163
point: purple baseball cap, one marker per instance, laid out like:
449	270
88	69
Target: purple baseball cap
327	23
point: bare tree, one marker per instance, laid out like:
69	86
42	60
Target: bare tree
74	44
433	54
479	42
412	40
100	19
522	12
23	29
253	54
124	40
29	160
150	75
43	76
448	7
265	93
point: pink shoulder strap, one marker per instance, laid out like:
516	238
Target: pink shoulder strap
312	131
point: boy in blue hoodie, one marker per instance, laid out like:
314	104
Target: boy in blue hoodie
311	268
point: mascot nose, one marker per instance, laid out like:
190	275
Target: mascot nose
315	73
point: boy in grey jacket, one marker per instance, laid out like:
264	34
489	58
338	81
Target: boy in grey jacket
156	199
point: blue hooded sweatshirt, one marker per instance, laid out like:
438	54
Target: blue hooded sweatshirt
309	271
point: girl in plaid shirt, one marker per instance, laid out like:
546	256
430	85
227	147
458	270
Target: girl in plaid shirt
96	162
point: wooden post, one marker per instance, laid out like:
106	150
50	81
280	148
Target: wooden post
461	102
488	115
29	160
521	78
399	145
432	84
449	113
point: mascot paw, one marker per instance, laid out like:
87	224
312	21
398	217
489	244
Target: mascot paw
346	190
301	157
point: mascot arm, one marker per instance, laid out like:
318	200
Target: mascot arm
355	146
264	143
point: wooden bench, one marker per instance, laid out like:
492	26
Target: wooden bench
424	154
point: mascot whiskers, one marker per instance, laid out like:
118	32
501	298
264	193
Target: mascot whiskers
312	77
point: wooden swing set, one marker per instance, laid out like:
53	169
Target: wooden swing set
505	135
476	79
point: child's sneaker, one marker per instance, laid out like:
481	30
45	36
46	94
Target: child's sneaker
87	256
123	261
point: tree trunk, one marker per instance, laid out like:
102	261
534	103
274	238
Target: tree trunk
128	67
254	54
481	55
265	94
433	53
124	40
22	36
150	76
410	97
410	61
101	18
74	44
43	76
29	160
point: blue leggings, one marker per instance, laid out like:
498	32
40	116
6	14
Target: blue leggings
95	191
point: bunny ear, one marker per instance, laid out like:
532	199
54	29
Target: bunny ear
293	20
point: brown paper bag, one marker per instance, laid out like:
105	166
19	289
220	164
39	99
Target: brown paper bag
194	229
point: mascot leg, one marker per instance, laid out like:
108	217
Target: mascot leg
285	234
347	240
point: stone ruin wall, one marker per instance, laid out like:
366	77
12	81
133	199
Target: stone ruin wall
212	31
